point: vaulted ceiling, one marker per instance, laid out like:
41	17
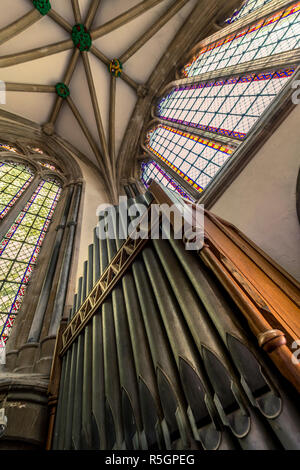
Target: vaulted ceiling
38	50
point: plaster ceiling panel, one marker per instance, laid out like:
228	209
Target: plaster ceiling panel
150	54
64	9
51	69
69	129
42	33
117	42
10	14
125	103
45	71
28	106
112	8
84	7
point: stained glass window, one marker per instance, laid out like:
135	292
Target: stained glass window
14	179
247	7
19	250
37	150
48	165
229	107
195	159
9	147
277	33
152	171
222	104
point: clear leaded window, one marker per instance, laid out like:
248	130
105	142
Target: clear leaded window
152	171
19	250
14	179
228	107
206	115
195	159
247	7
277	33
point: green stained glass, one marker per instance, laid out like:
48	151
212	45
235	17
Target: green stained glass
14	179
19	250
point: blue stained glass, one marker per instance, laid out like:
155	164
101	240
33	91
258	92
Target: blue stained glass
228	107
277	33
247	7
19	250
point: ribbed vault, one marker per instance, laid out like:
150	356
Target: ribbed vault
88	70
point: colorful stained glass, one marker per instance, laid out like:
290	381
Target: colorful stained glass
277	33
14	179
37	150
19	250
195	159
48	165
248	7
9	147
229	107
152	171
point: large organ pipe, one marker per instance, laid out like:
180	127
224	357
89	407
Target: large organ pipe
251	432
258	379
148	394
86	430
172	399
167	360
98	384
129	390
113	412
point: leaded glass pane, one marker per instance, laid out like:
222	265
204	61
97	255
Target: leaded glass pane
14	179
19	250
48	165
229	107
37	150
195	159
152	171
247	7
9	147
277	33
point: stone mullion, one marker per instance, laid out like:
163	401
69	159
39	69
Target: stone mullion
198	132
284	59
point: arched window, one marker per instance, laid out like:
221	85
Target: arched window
277	33
21	244
8	147
228	107
14	179
227	87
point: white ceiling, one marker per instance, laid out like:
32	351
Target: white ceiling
50	70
